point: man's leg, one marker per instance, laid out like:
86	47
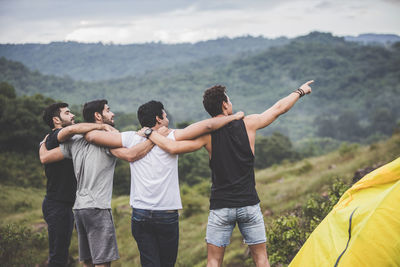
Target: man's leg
89	263
59	219
259	254
97	238
219	230
251	225
144	234
166	225
215	255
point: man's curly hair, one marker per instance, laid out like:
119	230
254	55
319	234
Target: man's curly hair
213	98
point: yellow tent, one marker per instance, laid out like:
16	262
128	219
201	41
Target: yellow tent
363	229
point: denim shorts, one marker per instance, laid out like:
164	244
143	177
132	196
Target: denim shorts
222	221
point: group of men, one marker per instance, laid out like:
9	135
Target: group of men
80	160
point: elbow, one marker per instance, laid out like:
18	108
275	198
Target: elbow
43	160
171	149
209	127
89	137
281	109
132	158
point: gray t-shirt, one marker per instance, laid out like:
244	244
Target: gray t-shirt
94	171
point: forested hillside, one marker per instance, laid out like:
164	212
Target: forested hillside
354	86
106	61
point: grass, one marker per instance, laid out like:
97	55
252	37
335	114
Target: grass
281	188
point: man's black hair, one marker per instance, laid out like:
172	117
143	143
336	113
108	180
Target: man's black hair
147	113
92	107
213	98
53	111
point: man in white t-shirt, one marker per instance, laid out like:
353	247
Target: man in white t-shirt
155	196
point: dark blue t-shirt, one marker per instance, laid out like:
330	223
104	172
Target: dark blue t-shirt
61	181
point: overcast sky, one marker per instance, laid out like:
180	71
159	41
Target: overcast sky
176	21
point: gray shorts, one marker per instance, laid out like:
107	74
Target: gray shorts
222	221
96	235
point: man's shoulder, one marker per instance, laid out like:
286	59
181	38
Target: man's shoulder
52	141
130	138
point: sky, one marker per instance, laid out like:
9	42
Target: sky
177	21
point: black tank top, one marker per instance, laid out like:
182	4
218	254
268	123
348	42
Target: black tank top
232	168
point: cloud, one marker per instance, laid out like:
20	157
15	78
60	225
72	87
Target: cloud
174	21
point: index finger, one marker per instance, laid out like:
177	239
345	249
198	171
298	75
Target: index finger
309	82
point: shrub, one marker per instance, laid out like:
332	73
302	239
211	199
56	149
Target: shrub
20	246
348	150
286	234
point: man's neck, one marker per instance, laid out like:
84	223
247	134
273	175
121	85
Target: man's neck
224	113
57	127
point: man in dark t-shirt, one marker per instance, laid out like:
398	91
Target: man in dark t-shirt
61	181
233	197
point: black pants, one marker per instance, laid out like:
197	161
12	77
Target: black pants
157	236
60	222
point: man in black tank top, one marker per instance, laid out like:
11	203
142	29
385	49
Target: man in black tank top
233	197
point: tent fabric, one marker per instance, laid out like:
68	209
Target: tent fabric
363	229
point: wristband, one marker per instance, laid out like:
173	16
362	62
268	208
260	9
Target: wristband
300	92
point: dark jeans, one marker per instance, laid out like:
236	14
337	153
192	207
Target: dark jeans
60	222
157	235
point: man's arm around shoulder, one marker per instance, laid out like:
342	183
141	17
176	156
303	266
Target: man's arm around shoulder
179	147
49	156
80	128
106	139
205	126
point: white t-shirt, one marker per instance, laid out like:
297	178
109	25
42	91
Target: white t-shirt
154	178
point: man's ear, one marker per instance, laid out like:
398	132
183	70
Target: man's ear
56	120
158	120
224	105
98	116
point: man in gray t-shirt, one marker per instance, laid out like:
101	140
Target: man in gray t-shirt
94	168
94	171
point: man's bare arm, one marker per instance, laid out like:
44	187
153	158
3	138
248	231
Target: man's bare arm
103	138
179	147
133	153
205	126
257	121
80	128
50	156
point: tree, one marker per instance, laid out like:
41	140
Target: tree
273	149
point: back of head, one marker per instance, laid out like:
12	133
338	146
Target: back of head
52	111
213	98
90	108
147	113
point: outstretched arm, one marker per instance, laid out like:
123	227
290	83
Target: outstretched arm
179	147
205	126
81	128
257	121
133	153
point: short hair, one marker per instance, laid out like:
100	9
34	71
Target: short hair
53	111
147	113
213	98
92	107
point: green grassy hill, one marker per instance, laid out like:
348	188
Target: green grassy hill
281	189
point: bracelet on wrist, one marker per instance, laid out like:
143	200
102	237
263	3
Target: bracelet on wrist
300	92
